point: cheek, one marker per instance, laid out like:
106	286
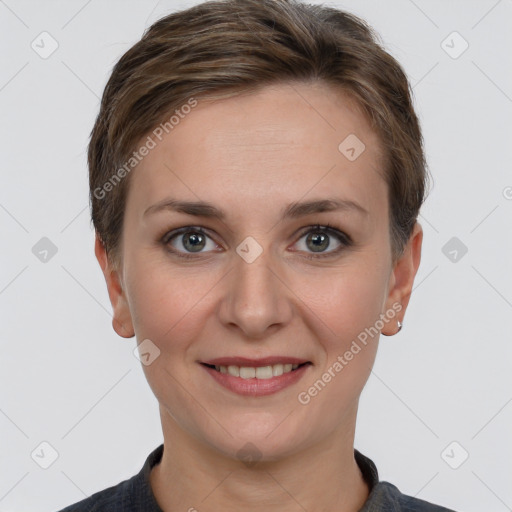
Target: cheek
346	306
168	307
165	300
346	300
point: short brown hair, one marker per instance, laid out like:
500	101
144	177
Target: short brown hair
232	46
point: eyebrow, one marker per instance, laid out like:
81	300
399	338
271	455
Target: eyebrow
292	211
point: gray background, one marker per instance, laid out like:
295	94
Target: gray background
67	379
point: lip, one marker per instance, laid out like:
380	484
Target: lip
256	387
245	361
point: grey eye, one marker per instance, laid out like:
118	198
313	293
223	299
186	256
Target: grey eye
317	242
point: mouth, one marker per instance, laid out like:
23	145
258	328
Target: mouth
256	377
256	372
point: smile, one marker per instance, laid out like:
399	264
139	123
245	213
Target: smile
259	372
252	379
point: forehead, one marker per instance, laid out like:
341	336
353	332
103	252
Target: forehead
274	146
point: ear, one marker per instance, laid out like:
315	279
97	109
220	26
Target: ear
121	318
402	278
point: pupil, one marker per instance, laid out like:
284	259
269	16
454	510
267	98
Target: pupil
196	240
320	242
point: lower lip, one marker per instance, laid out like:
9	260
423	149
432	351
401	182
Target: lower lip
257	387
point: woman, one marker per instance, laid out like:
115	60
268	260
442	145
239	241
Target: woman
256	173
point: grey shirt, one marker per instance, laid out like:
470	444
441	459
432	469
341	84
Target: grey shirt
136	495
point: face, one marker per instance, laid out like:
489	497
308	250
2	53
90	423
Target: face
288	263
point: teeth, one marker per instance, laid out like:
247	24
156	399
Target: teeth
261	372
247	372
277	370
234	370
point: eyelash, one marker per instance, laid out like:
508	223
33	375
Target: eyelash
344	240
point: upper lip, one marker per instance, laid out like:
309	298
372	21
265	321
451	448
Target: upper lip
245	361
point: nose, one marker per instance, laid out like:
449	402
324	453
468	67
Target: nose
256	299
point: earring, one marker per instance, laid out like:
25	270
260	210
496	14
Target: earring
400	325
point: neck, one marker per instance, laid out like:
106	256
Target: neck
194	477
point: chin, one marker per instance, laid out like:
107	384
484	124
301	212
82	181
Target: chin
261	437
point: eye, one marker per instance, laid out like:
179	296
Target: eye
318	239
188	240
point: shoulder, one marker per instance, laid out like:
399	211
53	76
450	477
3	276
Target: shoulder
386	497
130	495
113	499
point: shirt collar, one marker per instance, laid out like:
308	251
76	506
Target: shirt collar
366	465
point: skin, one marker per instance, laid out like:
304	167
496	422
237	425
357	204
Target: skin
251	156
